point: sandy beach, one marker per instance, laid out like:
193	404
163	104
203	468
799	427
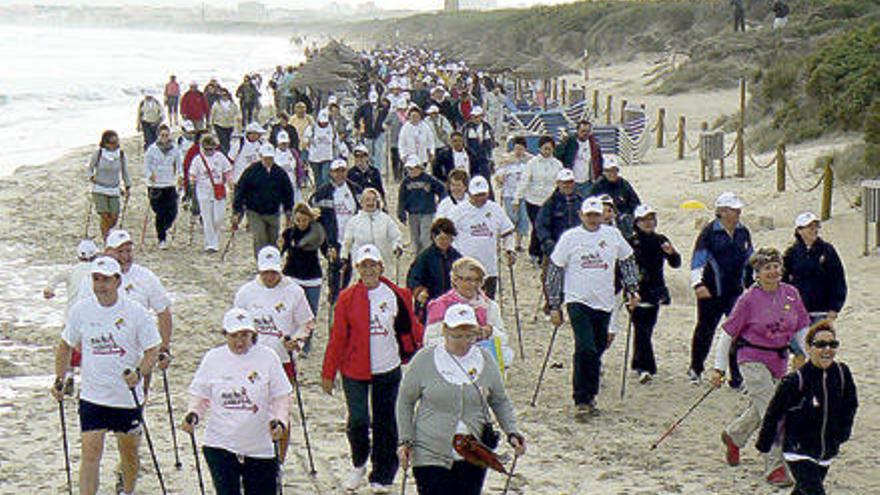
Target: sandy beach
44	210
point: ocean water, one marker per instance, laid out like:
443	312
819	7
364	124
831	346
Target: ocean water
61	87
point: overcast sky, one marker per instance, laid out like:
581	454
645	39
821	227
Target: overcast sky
388	4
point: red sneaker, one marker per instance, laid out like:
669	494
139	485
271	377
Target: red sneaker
732	454
779	478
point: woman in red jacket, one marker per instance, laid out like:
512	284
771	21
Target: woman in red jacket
368	352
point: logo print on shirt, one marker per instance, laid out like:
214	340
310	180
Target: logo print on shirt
129	288
280	307
481	230
376	327
105	345
238	400
265	325
253	376
119	323
593	261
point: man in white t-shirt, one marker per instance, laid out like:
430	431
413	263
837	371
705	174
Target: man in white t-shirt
278	306
114	334
481	223
582	269
143	286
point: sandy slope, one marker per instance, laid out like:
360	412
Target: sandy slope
44	206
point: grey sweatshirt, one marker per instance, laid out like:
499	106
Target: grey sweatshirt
106	172
441	404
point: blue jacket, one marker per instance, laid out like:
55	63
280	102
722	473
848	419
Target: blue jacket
558	214
419	195
431	272
721	262
817	273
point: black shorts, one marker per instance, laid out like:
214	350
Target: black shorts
116	419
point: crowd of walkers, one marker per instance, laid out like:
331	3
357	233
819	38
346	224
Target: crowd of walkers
423	362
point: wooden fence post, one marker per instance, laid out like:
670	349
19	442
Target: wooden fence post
740	131
780	167
595	103
827	188
681	137
623	111
704	162
608	110
661	116
564	92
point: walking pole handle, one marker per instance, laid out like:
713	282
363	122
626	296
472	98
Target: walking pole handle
192	418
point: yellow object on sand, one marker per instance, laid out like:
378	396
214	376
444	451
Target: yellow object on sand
692	204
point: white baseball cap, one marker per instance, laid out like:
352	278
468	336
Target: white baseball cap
237	320
564	175
367	252
477	110
323	116
253	127
374	97
729	200
361	149
283	137
592	205
400	105
606	199
105	265
269	259
117	237
337	164
332	100
805	219
412	161
267	150
644	210
86	249
610	161
478	185
188	126
458	315
433	109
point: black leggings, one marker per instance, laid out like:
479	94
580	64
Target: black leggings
230	474
163	201
644	319
462	479
534	245
809	477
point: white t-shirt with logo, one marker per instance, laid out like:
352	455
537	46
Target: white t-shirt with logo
344	205
582	160
112	339
384	350
511	175
479	230
589	260
139	284
240	388
461	160
279	311
247	154
446	205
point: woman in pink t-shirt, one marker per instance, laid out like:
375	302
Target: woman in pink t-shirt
760	327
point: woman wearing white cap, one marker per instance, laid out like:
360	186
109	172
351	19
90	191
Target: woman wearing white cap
243	390
651	251
210	173
288	159
416	137
719	273
246	150
448	390
116	335
324	146
481	223
441	127
373	226
374	332
536	184
812	265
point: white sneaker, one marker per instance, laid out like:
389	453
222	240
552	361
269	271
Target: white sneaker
163	245
380	488
645	377
694	377
355	478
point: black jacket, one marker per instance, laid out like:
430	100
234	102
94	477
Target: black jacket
263	192
447	109
291	133
818	408
621	191
567	151
302	248
371	177
817	273
444	163
370	119
558	214
431	271
323	200
419	195
650	258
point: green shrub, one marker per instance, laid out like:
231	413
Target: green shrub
872	139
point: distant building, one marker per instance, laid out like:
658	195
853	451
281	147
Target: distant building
476	4
450	5
252	11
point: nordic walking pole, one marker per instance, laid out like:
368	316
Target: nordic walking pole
544	366
397	270
177	464
88	220
302	413
228	245
522	352
147	434
274	424
510	475
192	419
124	209
681	419
144	227
59	387
625	356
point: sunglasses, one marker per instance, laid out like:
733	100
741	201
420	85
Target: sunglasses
821	344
